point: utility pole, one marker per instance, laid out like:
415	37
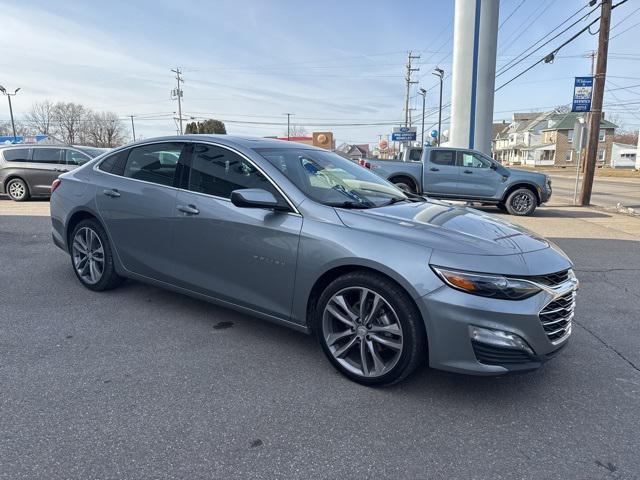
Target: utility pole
9	95
596	103
178	94
410	70
288	125
133	128
423	93
438	72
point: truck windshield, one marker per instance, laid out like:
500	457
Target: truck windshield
331	179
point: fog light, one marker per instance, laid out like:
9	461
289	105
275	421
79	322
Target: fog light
499	338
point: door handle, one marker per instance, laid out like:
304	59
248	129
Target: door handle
113	193
434	169
467	171
190	209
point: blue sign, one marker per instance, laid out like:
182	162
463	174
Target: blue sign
582	91
404	136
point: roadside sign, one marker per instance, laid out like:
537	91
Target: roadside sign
404	134
582	90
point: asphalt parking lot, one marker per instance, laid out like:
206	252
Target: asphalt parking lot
142	383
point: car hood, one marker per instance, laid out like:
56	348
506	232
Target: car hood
447	228
536	177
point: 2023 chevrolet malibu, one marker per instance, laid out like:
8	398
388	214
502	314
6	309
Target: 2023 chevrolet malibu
305	238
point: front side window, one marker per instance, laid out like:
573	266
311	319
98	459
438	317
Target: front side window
155	163
218	171
47	155
472	160
74	157
443	157
16	155
331	179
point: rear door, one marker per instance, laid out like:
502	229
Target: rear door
477	178
136	198
246	256
441	173
45	166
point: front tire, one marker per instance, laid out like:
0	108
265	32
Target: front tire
369	329
92	257
18	190
521	202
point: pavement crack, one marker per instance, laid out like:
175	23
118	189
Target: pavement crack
613	349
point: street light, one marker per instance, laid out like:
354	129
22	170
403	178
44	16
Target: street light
438	72
422	92
9	95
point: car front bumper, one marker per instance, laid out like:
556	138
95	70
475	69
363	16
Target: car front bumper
451	316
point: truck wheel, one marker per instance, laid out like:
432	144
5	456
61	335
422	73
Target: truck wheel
369	329
521	202
405	186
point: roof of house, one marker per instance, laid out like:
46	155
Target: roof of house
497	128
524	116
566	121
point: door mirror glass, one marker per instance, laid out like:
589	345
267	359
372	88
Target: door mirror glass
254	198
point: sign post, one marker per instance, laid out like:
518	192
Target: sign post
582	91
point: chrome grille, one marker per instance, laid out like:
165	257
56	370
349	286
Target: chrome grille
552	279
556	316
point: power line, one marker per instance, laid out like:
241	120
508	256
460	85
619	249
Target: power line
511	14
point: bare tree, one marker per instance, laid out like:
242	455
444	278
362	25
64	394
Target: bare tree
104	129
42	117
296	131
70	117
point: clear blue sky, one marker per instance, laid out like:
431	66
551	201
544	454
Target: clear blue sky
252	61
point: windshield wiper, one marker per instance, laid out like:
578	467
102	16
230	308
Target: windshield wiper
348	204
395	200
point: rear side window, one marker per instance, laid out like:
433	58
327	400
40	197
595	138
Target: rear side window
114	163
443	157
16	155
155	163
218	171
415	155
47	155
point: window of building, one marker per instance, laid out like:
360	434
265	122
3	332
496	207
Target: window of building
568	156
570	136
601	135
601	155
218	171
155	163
47	155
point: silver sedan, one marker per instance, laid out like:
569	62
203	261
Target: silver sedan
300	236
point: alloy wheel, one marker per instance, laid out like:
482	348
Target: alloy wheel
17	190
521	203
362	331
88	255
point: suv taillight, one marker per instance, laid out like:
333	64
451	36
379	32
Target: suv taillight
56	183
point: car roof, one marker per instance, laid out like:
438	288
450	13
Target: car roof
229	140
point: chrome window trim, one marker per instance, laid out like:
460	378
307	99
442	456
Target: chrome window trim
207	142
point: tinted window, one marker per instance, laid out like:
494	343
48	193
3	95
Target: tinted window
47	155
471	160
114	163
415	155
154	163
218	171
76	158
16	155
443	157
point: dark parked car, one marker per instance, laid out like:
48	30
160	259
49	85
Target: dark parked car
307	239
28	170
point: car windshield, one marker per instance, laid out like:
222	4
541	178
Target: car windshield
331	179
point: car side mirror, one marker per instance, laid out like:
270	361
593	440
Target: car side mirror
254	198
493	166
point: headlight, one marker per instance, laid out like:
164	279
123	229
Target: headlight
487	285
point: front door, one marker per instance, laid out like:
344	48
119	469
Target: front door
477	178
46	164
136	199
441	173
246	256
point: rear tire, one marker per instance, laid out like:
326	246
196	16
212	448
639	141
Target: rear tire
521	202
405	185
502	207
92	256
18	190
386	335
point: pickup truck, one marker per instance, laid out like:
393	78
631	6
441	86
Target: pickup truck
462	174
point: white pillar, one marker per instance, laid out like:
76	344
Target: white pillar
475	42
638	153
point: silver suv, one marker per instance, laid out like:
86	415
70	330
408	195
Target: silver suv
305	238
28	170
